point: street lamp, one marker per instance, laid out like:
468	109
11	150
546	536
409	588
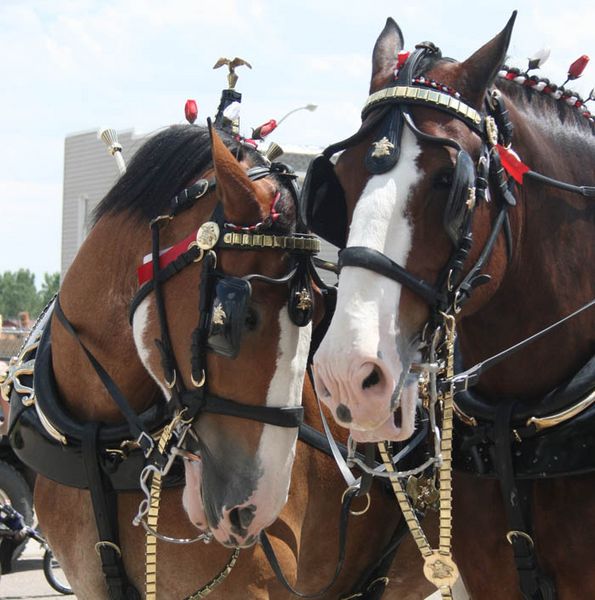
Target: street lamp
309	107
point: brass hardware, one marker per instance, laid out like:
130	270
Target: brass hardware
440	570
207	235
357	513
552	420
522	534
304	300
464	417
111	545
470	202
304	243
201	253
491	130
200	383
423	492
418	94
382	147
219	315
170	384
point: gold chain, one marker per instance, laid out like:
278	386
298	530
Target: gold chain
439	567
151	540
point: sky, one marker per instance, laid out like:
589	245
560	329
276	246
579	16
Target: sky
76	65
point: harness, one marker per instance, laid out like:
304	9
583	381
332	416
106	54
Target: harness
513	443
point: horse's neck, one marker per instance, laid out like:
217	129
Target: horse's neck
95	297
550	274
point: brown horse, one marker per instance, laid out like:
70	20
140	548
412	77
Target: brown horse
237	465
446	221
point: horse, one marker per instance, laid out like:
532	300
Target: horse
468	195
251	274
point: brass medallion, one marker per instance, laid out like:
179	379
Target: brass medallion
219	315
304	300
423	492
440	570
382	147
208	235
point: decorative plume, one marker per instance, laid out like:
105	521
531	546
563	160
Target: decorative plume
191	110
273	152
538	59
575	70
110	138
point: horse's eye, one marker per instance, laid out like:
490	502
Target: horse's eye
251	322
443	179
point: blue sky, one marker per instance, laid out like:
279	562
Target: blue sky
75	65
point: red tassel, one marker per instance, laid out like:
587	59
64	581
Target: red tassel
577	67
261	132
512	164
191	111
402	57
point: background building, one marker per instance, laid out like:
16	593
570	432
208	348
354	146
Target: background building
89	173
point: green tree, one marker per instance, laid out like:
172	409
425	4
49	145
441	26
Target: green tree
49	288
17	293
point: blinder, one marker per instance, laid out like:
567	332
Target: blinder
322	202
228	315
461	196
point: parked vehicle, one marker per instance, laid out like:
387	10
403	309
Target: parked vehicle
13	533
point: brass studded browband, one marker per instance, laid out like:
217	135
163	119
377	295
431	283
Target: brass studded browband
248	241
408	94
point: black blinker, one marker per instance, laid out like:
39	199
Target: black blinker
322	202
456	206
228	314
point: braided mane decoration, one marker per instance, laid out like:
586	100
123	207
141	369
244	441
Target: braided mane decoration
546	87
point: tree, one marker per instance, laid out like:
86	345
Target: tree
18	293
49	288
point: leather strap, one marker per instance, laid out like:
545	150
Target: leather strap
343	523
534	583
105	508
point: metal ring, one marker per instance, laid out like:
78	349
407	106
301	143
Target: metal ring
200	383
109	545
171	384
522	534
201	252
357	513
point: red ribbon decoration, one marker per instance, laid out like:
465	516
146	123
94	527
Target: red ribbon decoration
145	271
512	164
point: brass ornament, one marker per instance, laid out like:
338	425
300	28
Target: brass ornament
440	570
423	492
219	315
491	130
304	300
382	147
470	202
207	235
232	65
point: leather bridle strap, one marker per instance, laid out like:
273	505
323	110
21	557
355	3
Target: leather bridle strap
343	523
373	260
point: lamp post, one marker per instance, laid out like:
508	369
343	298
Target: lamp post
309	107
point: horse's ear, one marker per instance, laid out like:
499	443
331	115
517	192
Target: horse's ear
384	58
481	68
237	193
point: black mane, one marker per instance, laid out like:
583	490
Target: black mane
166	164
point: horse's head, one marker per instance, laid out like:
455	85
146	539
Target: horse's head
233	333
407	178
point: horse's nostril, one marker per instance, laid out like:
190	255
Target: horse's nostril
240	518
343	413
372	379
